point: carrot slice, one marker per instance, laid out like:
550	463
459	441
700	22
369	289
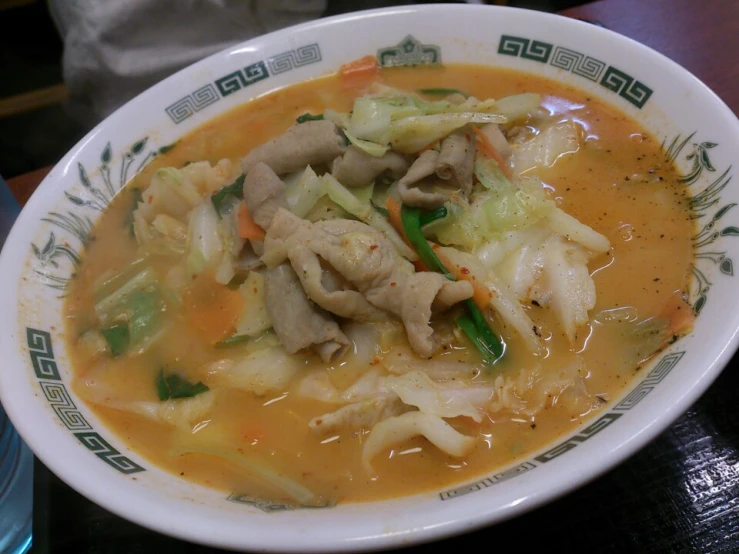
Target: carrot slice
393	210
211	307
248	229
359	73
489	151
481	295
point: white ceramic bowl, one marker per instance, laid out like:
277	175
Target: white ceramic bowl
39	257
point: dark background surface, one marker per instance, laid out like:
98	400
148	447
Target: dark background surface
679	494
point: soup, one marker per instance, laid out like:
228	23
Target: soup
405	289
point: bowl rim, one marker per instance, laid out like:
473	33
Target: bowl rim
590	468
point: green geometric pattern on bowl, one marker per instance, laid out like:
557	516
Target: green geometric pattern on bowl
50	381
578	63
240	79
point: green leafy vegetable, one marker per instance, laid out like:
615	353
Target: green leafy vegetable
117	339
233	341
111	306
474	323
309	117
144	315
235	189
174	386
441	91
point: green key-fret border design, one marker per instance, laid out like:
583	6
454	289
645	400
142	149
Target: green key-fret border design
55	391
620	82
42	354
489	481
240	79
654	378
577	63
591	430
66	410
103	450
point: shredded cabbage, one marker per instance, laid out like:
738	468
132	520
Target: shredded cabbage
303	194
263	371
544	149
371	148
408	124
255	318
398	429
415	388
205	243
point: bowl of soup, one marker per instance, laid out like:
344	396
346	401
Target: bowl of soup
320	294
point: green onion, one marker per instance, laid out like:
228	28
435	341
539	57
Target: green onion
472	331
430	217
174	386
234	189
473	324
489	340
117	338
411	220
309	117
232	341
442	91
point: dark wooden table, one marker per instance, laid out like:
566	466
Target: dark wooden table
679	494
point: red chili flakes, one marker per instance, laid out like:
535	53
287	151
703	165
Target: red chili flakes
465	271
393	284
373	247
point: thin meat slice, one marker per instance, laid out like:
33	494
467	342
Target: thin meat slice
456	161
345	303
416	188
368	261
311	143
356	168
264	193
298	322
